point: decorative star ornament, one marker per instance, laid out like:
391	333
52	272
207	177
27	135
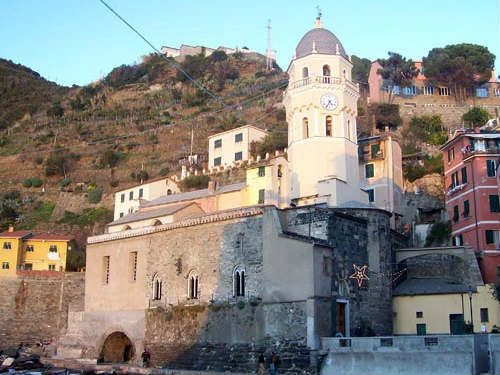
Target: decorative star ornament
359	274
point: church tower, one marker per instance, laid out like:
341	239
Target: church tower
321	107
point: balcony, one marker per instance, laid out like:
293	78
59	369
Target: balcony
323	80
366	157
452	189
470	150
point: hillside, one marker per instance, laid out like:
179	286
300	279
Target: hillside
69	149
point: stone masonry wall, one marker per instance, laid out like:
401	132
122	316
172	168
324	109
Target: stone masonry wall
34	305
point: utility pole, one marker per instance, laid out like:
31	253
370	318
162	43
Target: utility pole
270	53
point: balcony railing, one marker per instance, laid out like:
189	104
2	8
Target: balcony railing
469	150
369	156
326	80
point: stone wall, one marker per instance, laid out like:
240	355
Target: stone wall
34	305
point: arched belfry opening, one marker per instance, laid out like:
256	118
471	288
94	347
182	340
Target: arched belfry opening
117	348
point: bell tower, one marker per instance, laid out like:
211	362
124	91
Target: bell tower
321	108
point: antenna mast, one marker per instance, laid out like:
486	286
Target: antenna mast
270	53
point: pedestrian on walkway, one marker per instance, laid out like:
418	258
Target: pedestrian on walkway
262	364
145	358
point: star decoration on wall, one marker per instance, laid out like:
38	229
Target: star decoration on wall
359	274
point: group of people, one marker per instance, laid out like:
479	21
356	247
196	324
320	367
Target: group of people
274	362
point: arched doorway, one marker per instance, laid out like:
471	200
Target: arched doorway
117	348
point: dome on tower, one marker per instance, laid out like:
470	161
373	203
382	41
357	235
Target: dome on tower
319	40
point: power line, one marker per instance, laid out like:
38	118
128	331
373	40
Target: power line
174	64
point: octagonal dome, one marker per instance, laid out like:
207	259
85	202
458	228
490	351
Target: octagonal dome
322	41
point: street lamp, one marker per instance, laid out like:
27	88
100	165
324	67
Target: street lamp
470	305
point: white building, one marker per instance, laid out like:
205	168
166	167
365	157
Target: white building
127	201
321	107
233	145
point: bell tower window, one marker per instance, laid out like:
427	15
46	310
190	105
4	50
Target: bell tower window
305	72
328	124
305	128
348	130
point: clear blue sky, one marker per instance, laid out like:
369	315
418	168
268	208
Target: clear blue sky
78	41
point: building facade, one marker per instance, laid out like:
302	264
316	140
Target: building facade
321	108
472	196
37	251
233	146
381	172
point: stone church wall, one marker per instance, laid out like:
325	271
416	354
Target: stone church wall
34	305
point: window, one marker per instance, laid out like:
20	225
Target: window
169	192
483	312
52	267
218	143
105	269
491	168
375	149
122	198
328	124
458	240
217	161
369	170
348	129
482	92
454	179
455	214
464	175
262	171
305	128
327	262
420	314
30	248
121	214
305	72
238	137
444	91
7	245
5	265
261	196
280	171
157	287
28	266
421	329
193	292
409	91
492	236
466	212
133	266
371	195
494	203
238	156
326	70
451	154
141	192
239	282
53	248
428	90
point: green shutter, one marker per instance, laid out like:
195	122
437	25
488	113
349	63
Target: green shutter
494	203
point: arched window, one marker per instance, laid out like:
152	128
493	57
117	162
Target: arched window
157	286
343	73
239	282
326	71
193	285
305	127
280	171
348	129
169	192
328	125
305	72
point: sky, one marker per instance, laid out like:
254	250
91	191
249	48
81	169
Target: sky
80	41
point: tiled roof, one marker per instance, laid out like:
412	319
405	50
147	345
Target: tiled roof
421	286
196	194
16	234
203	219
151	214
30	235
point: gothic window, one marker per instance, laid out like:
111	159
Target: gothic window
193	292
326	70
239	282
157	287
328	124
305	127
305	72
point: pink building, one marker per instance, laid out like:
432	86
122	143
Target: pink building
472	196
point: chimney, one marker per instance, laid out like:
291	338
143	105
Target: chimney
11	228
212	186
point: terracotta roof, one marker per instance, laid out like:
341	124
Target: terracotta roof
16	234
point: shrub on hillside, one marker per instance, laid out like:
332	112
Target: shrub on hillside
195	182
476	117
60	162
125	74
439	235
109	159
277	139
32	182
431	164
428	129
140	176
387	115
94	194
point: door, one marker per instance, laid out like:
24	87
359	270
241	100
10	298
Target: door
421	329
340	326
456	324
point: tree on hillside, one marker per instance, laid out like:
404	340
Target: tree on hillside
476	117
361	68
428	129
459	67
397	71
386	115
277	139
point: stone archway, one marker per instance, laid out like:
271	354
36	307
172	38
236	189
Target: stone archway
117	348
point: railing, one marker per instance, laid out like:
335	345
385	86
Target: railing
469	151
327	80
369	156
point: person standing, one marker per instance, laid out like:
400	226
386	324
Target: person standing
262	364
273	366
145	358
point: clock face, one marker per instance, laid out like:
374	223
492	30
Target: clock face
329	102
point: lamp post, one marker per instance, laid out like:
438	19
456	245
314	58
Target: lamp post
470	305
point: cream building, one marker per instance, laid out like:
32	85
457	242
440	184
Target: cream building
128	200
232	146
321	107
381	172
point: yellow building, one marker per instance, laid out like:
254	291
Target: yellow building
442	308
35	251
